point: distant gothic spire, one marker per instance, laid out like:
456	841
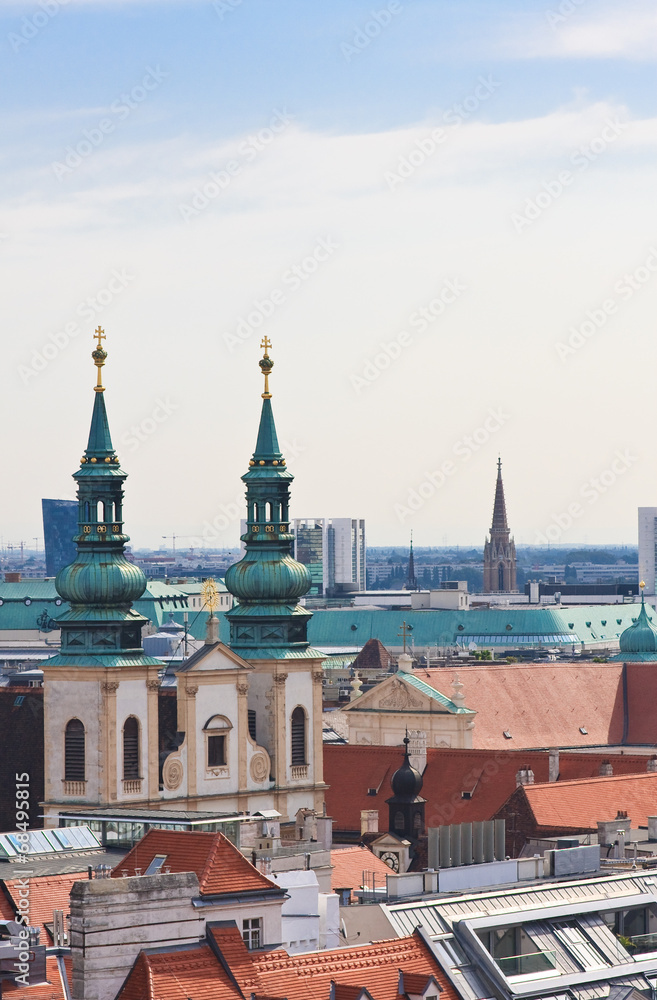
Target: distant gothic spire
499	550
411	580
268	581
100	584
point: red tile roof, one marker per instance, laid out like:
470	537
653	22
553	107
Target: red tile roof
641	702
578	805
309	976
47	893
349	864
224	970
52	989
489	777
177	975
218	865
540	704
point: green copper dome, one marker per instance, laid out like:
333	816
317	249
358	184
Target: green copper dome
101	579
268	581
641	637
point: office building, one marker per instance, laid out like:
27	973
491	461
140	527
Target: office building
334	551
60	525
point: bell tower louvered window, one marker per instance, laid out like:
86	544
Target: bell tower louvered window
74	766
298	737
131	748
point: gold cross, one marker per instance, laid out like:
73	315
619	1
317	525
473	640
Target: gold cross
405	629
266	343
100	334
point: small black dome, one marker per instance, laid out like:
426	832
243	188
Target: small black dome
406	782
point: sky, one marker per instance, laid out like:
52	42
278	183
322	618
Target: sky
441	214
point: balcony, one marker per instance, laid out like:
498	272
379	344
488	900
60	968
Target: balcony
640	944
533	964
132	786
77	788
298	771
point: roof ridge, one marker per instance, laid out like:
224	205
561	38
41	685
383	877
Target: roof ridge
596	778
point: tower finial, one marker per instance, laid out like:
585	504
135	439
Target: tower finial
99	355
266	365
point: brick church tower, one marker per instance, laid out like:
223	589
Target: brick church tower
499	549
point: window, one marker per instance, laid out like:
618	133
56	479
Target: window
298	730
74	751
216	751
131	748
252	932
216	731
156	864
399	821
252	721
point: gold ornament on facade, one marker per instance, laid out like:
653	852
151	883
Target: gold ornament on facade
210	595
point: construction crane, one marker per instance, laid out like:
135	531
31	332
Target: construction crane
173	543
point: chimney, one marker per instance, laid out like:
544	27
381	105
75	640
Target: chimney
104	915
606	770
553	766
652	763
369	821
525	776
405	664
652	827
608	829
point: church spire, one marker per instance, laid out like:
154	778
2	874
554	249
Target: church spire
268	581
499	549
499	525
411	580
100	584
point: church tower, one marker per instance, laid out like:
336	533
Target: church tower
100	690
499	549
411	579
268	627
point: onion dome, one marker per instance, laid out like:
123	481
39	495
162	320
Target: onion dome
406	782
641	636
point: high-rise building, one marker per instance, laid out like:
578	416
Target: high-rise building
647	547
334	551
499	549
60	525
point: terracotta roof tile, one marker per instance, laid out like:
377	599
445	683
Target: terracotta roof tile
642	702
47	893
218	865
178	975
349	863
578	805
52	989
488	777
508	696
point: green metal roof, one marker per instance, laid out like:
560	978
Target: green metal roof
430	692
531	626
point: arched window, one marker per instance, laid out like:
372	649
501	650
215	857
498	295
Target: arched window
500	576
131	748
99	511
298	730
74	751
268	510
216	731
400	822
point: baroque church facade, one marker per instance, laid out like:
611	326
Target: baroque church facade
249	714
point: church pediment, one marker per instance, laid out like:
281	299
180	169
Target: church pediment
390	695
214	658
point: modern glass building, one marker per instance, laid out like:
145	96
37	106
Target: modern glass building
334	550
60	524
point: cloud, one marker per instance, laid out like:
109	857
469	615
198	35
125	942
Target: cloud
571	30
189	284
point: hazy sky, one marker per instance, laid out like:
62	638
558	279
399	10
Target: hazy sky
442	214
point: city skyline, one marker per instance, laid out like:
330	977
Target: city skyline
438	214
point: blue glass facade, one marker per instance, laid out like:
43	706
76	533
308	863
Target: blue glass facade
60	524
